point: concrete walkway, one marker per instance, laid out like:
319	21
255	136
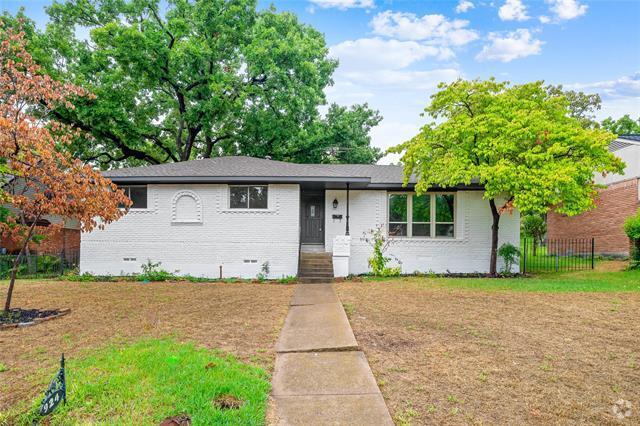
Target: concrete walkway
320	377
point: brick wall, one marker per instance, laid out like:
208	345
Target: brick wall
203	238
65	240
469	251
604	223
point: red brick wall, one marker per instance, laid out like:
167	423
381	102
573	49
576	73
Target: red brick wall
67	240
604	223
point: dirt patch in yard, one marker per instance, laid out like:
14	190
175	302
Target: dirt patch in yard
240	318
460	356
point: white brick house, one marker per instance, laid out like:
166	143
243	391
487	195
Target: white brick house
227	216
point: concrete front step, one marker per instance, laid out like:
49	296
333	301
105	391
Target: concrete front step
315	280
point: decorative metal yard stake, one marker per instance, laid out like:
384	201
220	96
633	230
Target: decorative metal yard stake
56	392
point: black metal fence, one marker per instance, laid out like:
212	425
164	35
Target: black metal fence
39	265
556	255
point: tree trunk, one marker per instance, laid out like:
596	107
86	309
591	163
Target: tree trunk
16	263
493	265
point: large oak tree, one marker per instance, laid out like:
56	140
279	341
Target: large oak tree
186	79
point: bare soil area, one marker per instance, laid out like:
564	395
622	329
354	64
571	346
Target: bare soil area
239	318
444	355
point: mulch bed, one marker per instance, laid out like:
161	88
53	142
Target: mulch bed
18	317
461	356
242	319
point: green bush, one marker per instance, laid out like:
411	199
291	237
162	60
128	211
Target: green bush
378	261
152	272
510	254
632	229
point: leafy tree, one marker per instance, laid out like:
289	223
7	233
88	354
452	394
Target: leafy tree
521	142
45	180
625	125
632	229
179	80
535	227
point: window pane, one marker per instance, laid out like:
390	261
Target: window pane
258	197
398	229
421	230
422	208
238	197
444	230
398	208
138	195
444	208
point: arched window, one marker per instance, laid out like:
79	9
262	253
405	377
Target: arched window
186	207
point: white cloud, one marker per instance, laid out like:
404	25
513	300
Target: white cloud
376	53
567	9
436	28
513	10
464	6
410	81
513	45
544	19
625	86
344	4
619	96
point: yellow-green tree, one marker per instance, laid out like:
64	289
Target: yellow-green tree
523	143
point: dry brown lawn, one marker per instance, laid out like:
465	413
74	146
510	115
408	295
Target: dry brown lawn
240	318
446	355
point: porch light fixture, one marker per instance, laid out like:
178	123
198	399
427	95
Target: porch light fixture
335	203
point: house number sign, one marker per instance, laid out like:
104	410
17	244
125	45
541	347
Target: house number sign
56	393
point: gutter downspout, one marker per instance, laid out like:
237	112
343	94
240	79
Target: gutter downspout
347	230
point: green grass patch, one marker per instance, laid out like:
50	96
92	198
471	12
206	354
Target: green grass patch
585	281
152	379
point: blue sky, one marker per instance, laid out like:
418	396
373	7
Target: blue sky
393	53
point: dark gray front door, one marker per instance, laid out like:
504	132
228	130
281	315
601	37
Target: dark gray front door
312	219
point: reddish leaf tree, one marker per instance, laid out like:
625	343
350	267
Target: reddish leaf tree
45	180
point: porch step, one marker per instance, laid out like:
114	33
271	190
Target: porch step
315	267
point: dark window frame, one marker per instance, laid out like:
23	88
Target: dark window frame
127	192
248	190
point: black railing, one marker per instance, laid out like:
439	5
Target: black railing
556	255
39	265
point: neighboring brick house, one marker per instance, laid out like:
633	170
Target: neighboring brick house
64	242
619	200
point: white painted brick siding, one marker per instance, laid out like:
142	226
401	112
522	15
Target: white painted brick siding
228	237
468	252
223	237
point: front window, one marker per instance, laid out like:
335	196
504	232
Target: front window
248	197
428	215
398	215
137	194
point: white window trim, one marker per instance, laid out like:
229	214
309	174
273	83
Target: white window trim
137	209
248	209
432	223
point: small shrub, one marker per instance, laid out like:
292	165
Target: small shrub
632	229
288	279
264	271
3	368
510	254
152	272
378	261
75	276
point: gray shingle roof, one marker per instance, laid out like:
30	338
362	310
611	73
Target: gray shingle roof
245	168
624	141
